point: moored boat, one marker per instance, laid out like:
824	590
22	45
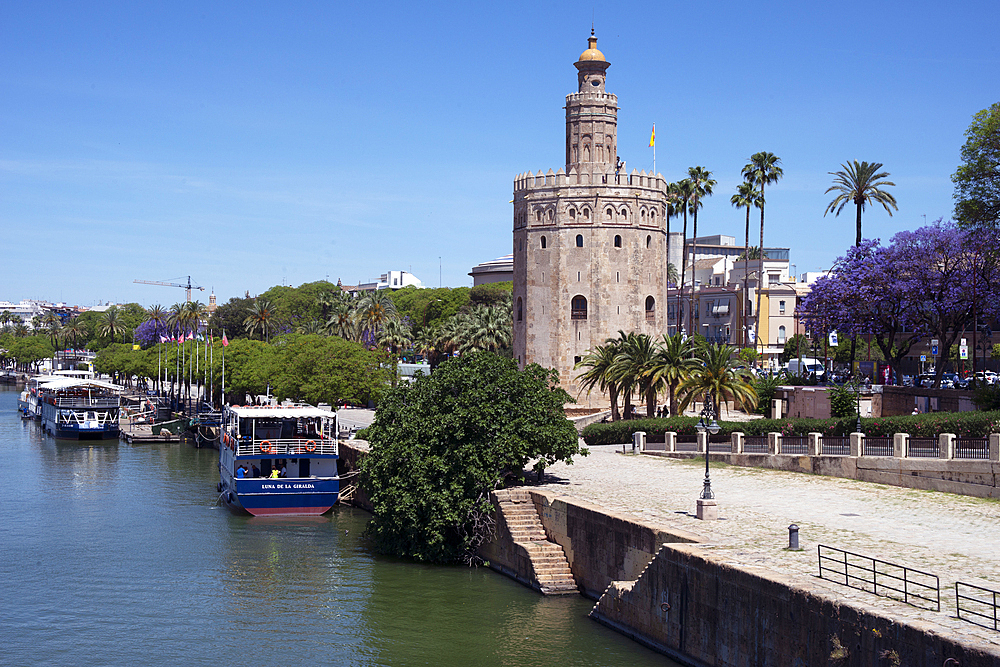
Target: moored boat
78	408
278	461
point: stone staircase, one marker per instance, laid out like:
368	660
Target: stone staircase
550	569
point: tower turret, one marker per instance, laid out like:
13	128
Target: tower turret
591	116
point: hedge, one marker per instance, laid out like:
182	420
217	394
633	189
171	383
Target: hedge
962	424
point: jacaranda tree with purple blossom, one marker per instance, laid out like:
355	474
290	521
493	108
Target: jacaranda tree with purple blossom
933	282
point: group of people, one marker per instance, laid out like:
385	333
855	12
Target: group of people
276	472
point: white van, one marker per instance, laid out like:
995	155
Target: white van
804	367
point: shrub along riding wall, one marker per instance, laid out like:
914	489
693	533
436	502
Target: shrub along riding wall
962	424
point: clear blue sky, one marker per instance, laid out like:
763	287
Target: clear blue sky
255	144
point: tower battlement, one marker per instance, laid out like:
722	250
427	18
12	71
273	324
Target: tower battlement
590	98
636	179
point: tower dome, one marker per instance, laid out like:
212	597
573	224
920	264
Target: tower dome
592	53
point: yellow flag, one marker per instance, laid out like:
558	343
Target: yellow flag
652	137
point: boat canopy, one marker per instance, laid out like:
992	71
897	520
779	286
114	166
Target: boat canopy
281	411
70	383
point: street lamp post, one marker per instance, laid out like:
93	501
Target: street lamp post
707	508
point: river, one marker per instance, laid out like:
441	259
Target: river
119	555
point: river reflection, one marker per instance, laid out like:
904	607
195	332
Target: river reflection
119	555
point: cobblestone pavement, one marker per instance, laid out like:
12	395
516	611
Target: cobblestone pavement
954	537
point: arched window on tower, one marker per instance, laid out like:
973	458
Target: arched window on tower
642	216
543	243
586	214
649	239
538	215
520	309
609	213
579	308
572	213
650	308
618	241
652	216
579	240
624	213
551	215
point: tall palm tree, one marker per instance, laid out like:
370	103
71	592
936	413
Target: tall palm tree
53	327
111	324
685	190
487	328
426	344
342	319
260	318
4	319
20	329
703	184
672	365
597	363
763	169
859	183
746	196
718	372
672	209
671	273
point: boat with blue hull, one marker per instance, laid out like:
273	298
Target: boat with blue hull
79	409
278	460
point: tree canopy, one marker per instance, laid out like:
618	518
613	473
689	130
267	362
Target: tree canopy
977	181
442	443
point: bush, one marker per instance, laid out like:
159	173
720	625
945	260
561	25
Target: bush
843	401
987	397
765	388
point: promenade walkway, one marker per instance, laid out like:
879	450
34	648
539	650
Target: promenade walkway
954	537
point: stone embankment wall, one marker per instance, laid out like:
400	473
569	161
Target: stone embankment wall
701	610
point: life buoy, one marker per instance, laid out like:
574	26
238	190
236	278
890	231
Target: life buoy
310	446
267	447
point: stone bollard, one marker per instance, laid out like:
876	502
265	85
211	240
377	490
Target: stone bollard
857	440
815	444
702	440
946	446
994	446
773	443
737	442
639	441
670	441
901	445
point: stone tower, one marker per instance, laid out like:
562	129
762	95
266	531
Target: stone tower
589	241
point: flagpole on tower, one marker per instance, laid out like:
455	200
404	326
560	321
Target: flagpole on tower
652	144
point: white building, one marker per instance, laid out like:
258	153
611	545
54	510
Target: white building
25	310
392	280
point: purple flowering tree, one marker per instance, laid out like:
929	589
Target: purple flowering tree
149	332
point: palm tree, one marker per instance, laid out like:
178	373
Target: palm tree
597	363
20	329
859	183
634	367
73	330
719	373
426	343
685	190
312	327
111	324
763	169
53	327
260	318
672	365
487	328
746	196
671	273
703	183
672	209
375	309
4	319
342	319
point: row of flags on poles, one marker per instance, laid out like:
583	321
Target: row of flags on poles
191	336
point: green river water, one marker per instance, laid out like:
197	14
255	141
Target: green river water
119	555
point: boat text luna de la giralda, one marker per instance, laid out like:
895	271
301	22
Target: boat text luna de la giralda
278	460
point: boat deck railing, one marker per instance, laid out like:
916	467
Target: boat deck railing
83	402
284	446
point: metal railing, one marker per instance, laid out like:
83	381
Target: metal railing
926	448
880	577
874	446
686	443
795	444
835	446
755	444
722	444
83	401
972	448
980	605
286	446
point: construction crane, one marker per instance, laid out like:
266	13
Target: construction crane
187	287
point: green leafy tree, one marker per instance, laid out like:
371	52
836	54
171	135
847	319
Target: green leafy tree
441	444
795	346
977	181
763	169
29	351
229	317
843	400
430	307
860	184
323	369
